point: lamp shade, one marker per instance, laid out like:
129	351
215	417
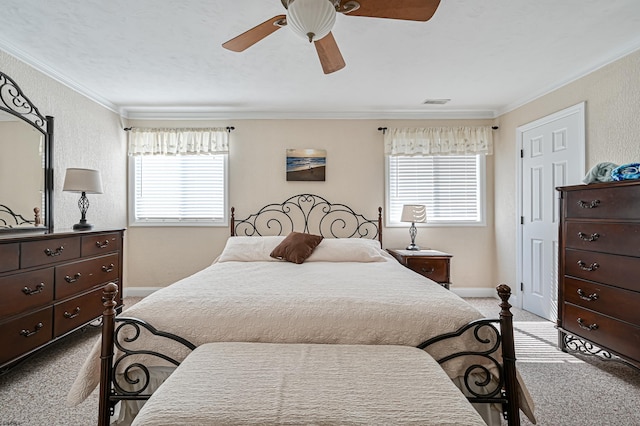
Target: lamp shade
311	19
83	180
414	213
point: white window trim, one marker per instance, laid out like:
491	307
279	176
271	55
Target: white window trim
175	222
482	182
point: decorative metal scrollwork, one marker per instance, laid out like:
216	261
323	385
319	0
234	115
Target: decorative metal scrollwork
14	101
589	268
487	384
590	238
126	334
14	219
577	345
314	213
589	204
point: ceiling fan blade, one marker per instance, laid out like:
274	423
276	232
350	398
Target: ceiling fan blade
255	34
329	54
409	10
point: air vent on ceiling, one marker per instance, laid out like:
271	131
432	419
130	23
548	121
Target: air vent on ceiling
436	101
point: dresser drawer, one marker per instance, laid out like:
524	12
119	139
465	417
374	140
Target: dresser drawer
9	257
618	271
434	269
101	244
26	333
76	277
607	332
26	291
616	238
76	312
45	252
609	202
614	302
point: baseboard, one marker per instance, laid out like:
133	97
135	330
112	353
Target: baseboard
475	292
460	291
139	291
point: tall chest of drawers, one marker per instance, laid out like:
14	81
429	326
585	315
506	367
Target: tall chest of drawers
599	267
51	284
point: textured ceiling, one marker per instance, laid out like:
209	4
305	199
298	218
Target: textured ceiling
164	57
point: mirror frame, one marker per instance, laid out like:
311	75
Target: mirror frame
16	103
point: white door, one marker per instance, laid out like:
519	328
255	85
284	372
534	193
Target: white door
552	155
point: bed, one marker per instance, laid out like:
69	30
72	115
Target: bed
347	291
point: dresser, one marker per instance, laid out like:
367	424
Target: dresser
599	267
433	264
51	285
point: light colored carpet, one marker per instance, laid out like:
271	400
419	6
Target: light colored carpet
568	390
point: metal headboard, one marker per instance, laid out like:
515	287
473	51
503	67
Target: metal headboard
311	214
10	219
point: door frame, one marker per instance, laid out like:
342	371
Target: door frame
579	109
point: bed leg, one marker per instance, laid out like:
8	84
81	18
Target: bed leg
106	355
509	356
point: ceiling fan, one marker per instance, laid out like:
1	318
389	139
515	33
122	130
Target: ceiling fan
314	19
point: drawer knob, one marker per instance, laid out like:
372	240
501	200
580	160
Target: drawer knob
55	252
584	326
27	333
73	279
102	244
586	267
588	204
427	271
37	290
109	268
70	315
586	237
588	297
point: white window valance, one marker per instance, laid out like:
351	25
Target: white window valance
190	141
431	141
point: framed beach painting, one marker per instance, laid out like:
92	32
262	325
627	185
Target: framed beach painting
306	164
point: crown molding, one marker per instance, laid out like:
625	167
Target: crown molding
204	113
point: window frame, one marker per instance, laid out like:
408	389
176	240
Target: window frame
134	222
482	195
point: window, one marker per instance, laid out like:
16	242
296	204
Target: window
173	190
452	188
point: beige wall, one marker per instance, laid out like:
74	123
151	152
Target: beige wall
612	96
355	176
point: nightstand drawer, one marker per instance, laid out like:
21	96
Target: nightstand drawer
434	269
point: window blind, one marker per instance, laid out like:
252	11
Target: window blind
448	185
180	188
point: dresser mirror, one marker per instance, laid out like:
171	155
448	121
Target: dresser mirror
26	176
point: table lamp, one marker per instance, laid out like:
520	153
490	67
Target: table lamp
414	213
85	181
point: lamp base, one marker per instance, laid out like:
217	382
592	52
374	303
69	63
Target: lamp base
82	226
413	247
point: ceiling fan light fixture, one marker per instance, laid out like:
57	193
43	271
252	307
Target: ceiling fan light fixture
311	19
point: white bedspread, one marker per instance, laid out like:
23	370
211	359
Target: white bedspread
269	384
281	302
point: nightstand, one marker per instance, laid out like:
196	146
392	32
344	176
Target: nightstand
432	264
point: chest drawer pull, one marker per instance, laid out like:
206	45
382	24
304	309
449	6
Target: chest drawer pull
585	237
27	333
56	252
588	204
70	315
427	271
108	268
588	297
589	327
37	290
102	244
73	279
589	268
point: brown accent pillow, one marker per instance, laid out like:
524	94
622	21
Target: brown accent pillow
296	247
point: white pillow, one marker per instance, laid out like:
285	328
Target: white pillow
348	250
250	249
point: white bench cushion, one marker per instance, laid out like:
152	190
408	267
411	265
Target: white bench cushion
270	383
